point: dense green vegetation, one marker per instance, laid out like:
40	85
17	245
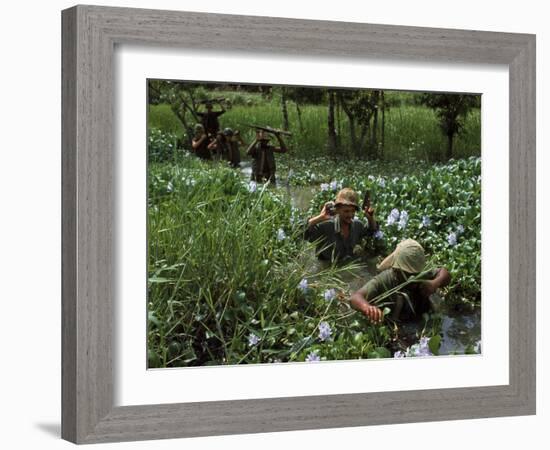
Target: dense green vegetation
406	127
231	279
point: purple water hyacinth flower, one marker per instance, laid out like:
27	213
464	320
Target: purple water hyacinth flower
253	340
313	357
324	331
379	234
281	234
381	182
333	185
329	294
399	354
303	285
324	186
403	220
451	239
426	222
393	216
424	341
460	229
423	347
252	186
371	177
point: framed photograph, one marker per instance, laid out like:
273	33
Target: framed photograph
306	219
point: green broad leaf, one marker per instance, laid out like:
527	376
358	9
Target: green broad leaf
373	355
434	344
152	318
383	352
153	359
174	349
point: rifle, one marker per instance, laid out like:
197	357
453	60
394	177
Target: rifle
269	129
366	201
366	206
213	100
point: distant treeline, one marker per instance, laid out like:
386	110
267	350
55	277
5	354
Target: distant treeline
361	123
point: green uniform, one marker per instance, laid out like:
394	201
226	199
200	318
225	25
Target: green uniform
263	161
391	278
210	122
331	242
233	153
203	151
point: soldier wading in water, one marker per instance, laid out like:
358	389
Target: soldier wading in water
263	156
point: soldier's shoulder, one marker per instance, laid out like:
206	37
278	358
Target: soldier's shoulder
329	223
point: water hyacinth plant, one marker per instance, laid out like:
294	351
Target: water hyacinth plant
253	340
324	331
442	206
329	294
313	357
303	286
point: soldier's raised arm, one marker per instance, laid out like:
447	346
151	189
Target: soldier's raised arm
282	146
252	147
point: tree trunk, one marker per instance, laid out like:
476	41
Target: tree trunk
351	121
450	146
332	144
353	135
284	109
181	117
363	144
374	133
338	122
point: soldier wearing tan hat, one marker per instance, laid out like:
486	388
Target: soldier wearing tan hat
407	259
336	230
263	156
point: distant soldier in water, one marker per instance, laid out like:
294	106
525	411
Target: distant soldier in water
209	119
200	143
263	156
226	146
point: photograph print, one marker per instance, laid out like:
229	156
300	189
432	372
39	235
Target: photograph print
295	224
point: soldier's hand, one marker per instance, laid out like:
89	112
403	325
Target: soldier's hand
325	214
428	287
374	313
369	211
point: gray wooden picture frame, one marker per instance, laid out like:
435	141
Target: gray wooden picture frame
90	34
